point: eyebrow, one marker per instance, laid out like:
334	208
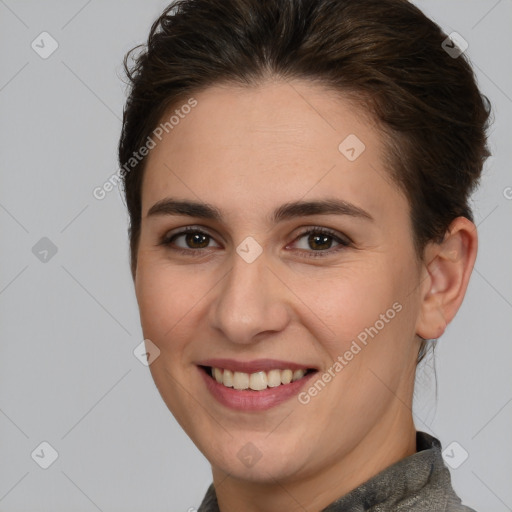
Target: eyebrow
170	206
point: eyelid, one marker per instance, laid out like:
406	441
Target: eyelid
342	240
341	237
168	236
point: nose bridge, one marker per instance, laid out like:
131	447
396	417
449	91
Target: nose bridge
249	301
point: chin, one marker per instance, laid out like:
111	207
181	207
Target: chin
257	462
264	471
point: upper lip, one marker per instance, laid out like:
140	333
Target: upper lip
253	366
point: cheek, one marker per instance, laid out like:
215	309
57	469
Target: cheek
346	301
174	301
164	298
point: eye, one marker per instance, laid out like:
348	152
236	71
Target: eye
317	244
193	239
320	241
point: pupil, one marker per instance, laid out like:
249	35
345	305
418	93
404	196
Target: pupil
196	237
325	238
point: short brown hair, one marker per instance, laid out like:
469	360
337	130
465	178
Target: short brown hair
384	53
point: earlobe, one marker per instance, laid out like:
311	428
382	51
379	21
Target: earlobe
446	272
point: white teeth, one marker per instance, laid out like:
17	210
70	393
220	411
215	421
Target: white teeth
240	380
274	378
227	378
256	381
217	373
286	376
298	374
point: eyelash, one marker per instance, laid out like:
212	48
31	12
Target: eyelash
167	241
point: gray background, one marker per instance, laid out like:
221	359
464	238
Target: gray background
69	325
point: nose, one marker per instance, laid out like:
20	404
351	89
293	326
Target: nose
250	302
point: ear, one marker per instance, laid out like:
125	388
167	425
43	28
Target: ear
445	276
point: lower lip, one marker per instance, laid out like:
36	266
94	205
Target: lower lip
249	400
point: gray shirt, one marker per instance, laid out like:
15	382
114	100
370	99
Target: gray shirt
419	483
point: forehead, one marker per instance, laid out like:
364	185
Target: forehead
252	149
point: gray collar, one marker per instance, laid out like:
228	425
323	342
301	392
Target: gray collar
420	482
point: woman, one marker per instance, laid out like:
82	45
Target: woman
297	175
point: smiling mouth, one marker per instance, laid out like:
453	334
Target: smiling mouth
257	381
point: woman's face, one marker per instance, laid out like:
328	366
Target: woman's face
267	285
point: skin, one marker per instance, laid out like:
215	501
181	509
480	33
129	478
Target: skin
248	151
